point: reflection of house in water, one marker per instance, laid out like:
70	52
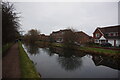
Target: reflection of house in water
109	62
63	52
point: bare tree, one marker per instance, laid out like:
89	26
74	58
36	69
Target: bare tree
69	38
32	36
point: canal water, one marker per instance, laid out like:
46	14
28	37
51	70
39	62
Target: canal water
61	63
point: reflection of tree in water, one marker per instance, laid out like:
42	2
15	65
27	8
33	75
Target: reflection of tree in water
51	51
69	61
32	49
48	51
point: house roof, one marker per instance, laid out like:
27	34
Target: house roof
81	32
106	30
60	31
110	29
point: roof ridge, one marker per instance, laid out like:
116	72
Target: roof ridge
109	26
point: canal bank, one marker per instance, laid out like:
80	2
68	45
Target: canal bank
26	65
56	62
91	50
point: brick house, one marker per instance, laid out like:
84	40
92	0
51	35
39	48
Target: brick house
58	35
81	37
107	34
43	37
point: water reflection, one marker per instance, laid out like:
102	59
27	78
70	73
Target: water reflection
48	51
32	49
71	59
105	61
69	63
68	60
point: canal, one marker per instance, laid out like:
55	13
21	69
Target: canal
54	62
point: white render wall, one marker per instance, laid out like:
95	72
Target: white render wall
111	41
118	42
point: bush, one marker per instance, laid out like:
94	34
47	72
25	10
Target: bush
106	45
92	44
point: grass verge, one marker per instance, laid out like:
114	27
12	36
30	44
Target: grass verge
100	50
93	50
27	67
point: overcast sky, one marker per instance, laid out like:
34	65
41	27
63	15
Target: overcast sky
53	16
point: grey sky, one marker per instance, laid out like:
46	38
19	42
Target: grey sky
52	16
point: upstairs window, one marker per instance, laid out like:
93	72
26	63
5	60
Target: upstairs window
113	34
62	32
116	34
97	35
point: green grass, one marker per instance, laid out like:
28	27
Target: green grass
100	50
57	44
88	49
27	67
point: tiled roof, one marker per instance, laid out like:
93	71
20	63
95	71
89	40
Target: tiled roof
61	31
106	30
81	32
110	29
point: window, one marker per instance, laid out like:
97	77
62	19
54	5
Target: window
109	34
113	34
96	41
62	32
98	35
116	34
106	34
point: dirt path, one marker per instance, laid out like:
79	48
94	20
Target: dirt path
10	63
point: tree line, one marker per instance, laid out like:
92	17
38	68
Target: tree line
32	36
69	38
10	23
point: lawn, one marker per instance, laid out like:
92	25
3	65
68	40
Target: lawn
100	50
88	49
27	67
57	44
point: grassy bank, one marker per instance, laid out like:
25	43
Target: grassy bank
92	50
100	51
27	67
89	50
